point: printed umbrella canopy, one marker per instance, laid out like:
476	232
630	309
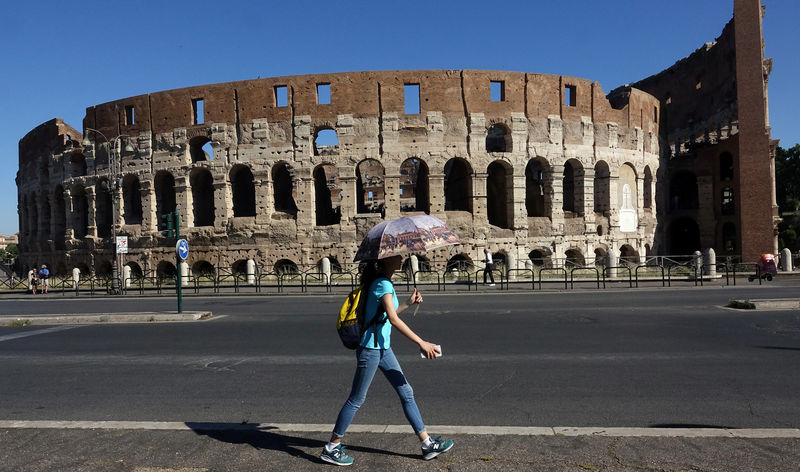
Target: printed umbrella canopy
403	235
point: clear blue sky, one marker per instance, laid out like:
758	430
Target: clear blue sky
60	57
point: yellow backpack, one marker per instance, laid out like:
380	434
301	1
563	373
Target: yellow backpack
350	323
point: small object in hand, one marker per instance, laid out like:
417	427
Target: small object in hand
438	353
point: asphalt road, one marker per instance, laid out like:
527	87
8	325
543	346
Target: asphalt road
645	358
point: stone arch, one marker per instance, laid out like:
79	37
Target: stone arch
80	211
422	261
103	205
239	267
202	183
500	194
203	268
541	257
77	164
647	191
684	237
60	215
336	267
243	191
602	187
166	270
200	149
628	199
628	254
537	188
283	186
572	185
683	191
600	255
574	258
132	200
136	270
414	186
457	185
327	195
460	262
498	138
164	184
326	142
103	268
286	266
370	186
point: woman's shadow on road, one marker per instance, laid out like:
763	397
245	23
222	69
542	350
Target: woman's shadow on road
263	437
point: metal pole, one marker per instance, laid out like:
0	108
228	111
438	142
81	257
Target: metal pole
178	259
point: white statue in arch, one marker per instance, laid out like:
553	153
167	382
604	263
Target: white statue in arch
628	219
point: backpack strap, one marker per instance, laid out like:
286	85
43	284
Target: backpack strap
378	319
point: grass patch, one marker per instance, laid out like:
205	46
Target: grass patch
741	304
587	467
19	323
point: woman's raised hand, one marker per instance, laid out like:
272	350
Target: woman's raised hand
415	297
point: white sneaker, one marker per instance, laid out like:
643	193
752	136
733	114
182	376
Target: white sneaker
491	285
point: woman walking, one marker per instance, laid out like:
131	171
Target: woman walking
374	352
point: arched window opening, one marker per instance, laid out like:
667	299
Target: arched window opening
573	189
286	267
336	267
574	258
239	268
725	166
327	195
77	164
202	197
80	208
647	191
683	191
499	194
103	269
243	190
103	208
200	149
204	269
729	238
165	196
628	214
136	270
600	259
498	139
414	190
535	189
326	142
370	186
460	263
628	255
540	258
602	188
60	216
283	188
132	200
166	270
457	185
728	203
684	237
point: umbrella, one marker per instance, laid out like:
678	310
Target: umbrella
404	235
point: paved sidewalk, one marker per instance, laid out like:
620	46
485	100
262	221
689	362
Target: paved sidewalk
260	448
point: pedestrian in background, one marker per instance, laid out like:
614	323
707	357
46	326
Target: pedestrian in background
374	352
44	275
33	281
487	259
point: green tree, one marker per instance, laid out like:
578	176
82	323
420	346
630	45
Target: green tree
787	186
9	253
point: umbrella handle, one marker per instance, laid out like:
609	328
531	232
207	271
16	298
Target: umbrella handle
416	309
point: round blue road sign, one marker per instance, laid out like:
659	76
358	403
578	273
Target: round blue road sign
182	248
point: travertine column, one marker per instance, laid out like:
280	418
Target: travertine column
183	202
149	217
480	217
69	223
222	207
391	191
436	194
91	210
553	179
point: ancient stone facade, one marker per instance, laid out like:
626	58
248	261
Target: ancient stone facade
286	171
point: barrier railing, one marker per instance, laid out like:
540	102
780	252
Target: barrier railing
480	272
417	278
587	269
606	270
320	277
650	267
559	270
510	279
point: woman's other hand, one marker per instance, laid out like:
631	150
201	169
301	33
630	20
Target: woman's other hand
429	349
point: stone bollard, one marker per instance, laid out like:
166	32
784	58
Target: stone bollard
251	272
612	261
76	278
325	268
697	263
786	259
710	262
126	276
511	263
184	274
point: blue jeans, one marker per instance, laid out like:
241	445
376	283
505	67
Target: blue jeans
369	361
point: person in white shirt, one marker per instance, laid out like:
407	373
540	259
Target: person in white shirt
487	258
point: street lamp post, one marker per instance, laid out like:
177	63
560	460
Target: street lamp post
114	184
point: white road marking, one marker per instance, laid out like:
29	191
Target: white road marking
400	429
25	334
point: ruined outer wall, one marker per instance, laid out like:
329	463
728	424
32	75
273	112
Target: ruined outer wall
246	127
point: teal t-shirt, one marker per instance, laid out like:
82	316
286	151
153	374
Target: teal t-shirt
380	287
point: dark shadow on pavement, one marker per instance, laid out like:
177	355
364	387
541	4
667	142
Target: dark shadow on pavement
263	438
780	348
690	426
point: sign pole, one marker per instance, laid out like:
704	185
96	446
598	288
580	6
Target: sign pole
179	256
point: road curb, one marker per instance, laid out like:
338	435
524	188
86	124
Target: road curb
92	318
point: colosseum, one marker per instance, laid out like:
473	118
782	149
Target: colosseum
287	171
